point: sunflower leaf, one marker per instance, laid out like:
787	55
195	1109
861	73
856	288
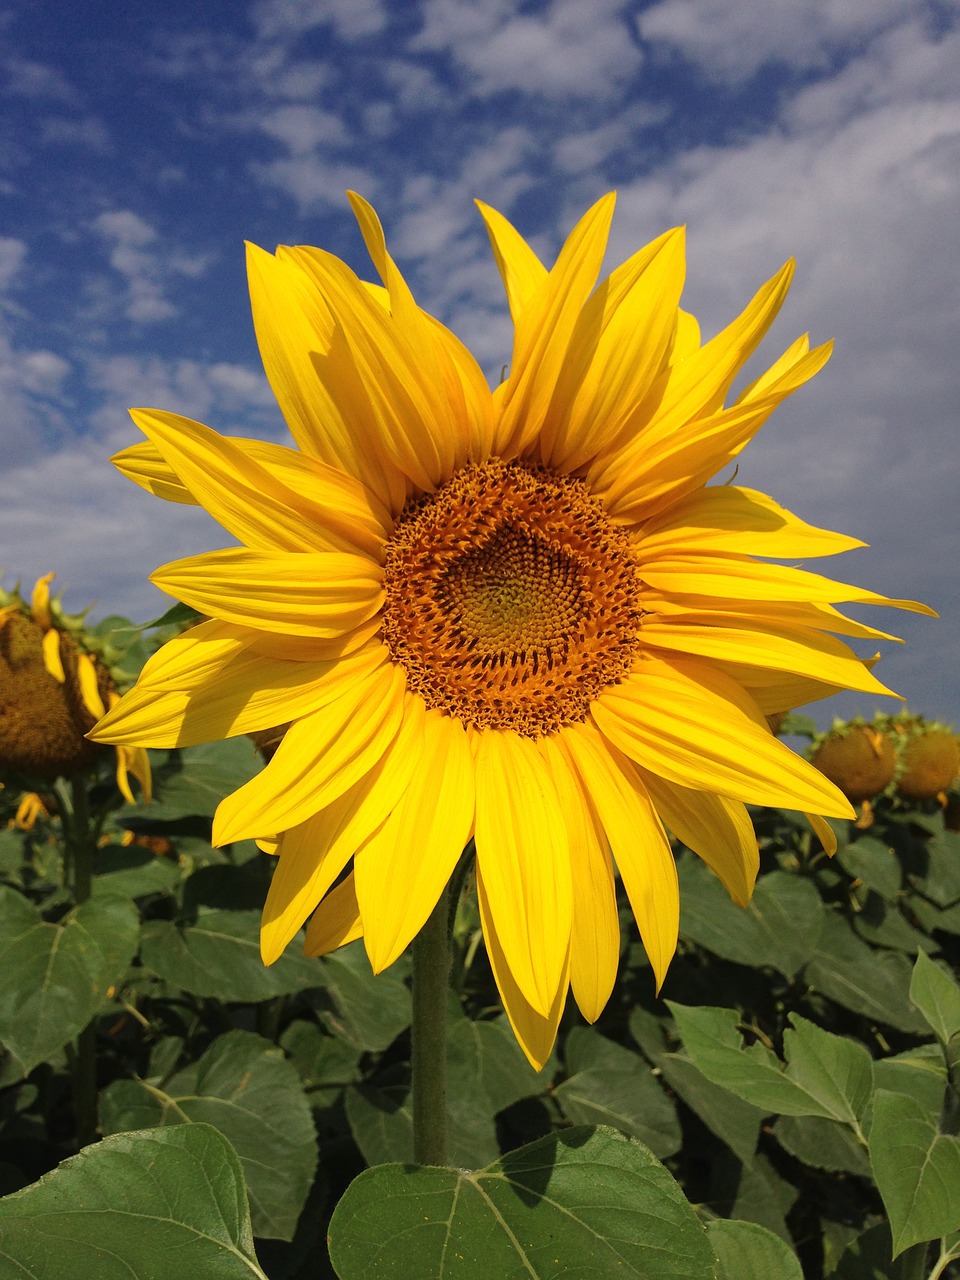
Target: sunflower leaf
56	976
121	1209
593	1198
747	1251
937	996
244	1087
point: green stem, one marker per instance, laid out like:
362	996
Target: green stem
80	841
431	972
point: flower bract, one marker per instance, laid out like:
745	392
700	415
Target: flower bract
522	616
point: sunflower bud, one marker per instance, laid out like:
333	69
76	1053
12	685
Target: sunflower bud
859	758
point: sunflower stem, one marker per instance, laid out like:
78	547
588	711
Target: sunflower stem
431	972
80	842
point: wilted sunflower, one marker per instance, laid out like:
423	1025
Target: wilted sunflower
53	688
515	615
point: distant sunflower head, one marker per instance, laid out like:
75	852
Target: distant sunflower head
54	686
522	615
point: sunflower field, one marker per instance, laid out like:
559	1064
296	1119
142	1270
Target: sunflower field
445	887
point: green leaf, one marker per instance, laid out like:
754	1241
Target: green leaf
130	871
485	1056
941	884
56	976
367	1010
826	1075
320	1059
244	1087
779	928
125	1208
381	1121
218	955
875	863
610	1085
874	983
198	779
916	1169
581	1203
919	1073
822	1144
937	996
868	1257
735	1122
747	1251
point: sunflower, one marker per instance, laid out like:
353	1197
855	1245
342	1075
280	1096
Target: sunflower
53	688
519	616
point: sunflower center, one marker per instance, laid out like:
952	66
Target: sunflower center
512	600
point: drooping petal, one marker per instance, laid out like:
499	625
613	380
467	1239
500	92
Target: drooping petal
536	1032
335	922
824	832
640	846
403	868
522	850
312	854
717	829
321	594
321	756
595	937
695	727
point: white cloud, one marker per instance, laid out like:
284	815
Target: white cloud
570	49
12	254
302	129
129	238
729	41
314	181
351	18
26	78
79	131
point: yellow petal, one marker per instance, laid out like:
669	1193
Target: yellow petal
335	922
52	658
697	728
717	829
40	602
544	330
317	593
640	846
536	1032
775	648
351	517
312	854
403	868
89	687
728	519
824	832
522	850
520	269
595	937
320	757
618	346
297	337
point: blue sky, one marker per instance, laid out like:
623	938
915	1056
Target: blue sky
141	144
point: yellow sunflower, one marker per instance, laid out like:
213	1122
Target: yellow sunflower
53	688
519	616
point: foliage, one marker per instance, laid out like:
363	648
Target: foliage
789	1107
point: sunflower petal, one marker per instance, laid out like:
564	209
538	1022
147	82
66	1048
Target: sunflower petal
312	854
336	920
595	937
520	269
696	727
403	868
522	849
320	594
321	756
640	846
536	1032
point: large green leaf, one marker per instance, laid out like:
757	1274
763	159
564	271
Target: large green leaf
218	955
875	863
609	1085
580	1203
937	996
823	1144
825	1075
941	883
131	871
243	1086
735	1122
746	1251
366	1009
136	1206
198	778
779	928
874	983
56	976
916	1169
486	1056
